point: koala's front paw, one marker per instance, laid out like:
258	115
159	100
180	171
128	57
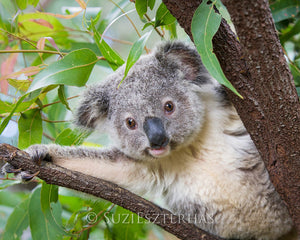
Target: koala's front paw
38	154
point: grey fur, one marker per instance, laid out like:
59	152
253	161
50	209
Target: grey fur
212	172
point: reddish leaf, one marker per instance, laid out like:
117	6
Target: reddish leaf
7	67
42	22
29	71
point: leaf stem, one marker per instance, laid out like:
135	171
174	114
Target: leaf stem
156	29
52	121
49	104
33	51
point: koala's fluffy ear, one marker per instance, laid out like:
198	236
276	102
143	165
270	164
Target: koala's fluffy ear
94	105
185	57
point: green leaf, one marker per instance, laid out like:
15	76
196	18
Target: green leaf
5	107
296	74
141	7
33	2
94	21
17	222
52	209
7	183
163	16
22	4
49	194
205	24
7	119
285	9
172	30
37	25
127	225
148	24
112	57
135	52
62	96
70	137
30	128
291	33
73	70
151	4
41	225
22	85
223	11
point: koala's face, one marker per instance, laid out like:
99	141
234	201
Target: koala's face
154	113
157	108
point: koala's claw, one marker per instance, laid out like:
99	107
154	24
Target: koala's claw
8	168
27	176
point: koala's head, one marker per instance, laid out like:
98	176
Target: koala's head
158	107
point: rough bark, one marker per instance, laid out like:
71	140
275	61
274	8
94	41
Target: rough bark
257	68
57	175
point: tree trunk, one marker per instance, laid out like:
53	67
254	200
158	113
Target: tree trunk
257	68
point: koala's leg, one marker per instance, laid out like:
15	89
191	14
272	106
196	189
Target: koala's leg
110	165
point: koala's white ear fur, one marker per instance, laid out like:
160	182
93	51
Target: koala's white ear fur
93	106
180	55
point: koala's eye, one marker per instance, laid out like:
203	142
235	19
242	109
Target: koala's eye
131	124
169	107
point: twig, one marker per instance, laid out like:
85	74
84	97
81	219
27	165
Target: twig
53	174
33	51
49	104
156	29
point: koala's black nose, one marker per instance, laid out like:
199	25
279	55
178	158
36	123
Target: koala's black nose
155	132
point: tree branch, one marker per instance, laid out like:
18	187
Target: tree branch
257	69
57	175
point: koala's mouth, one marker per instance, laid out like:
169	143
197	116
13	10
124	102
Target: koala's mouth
160	152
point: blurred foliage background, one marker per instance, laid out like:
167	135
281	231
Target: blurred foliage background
49	51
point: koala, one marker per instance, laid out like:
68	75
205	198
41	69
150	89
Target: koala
176	135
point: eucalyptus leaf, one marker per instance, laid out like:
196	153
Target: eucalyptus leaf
282	10
141	7
5	107
73	70
52	209
37	25
291	33
62	96
22	4
205	24
135	52
127	225
7	183
70	137
40	225
223	11
33	2
18	221
22	85
148	24
30	128
151	4
7	119
111	56
163	16
172	30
